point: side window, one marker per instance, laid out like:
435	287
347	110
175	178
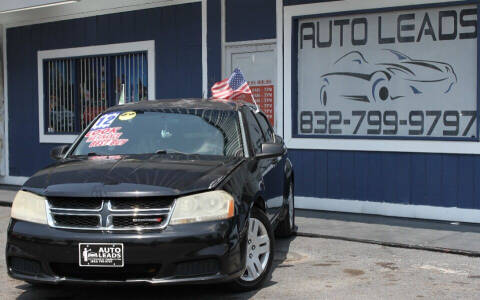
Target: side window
267	130
256	136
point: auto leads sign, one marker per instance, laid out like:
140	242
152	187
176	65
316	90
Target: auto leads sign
409	74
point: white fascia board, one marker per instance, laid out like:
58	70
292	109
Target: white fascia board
82	9
10	6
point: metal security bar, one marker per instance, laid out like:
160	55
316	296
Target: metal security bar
93	88
78	89
61	116
131	77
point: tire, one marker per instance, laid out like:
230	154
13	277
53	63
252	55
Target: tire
252	279
286	227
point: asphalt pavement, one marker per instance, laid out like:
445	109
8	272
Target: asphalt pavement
305	268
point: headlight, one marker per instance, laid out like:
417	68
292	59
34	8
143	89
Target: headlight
29	207
208	206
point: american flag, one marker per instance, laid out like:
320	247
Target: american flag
231	87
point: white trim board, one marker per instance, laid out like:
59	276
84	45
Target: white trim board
223	35
390	209
204	50
279	40
250	43
148	46
420	146
6	153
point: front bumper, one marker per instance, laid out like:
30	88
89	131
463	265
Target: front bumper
192	253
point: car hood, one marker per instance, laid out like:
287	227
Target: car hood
131	176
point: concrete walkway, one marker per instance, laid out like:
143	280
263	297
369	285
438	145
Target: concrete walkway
7	193
458	238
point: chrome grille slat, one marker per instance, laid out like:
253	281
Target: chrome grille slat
62	215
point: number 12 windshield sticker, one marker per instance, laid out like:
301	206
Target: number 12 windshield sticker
105	121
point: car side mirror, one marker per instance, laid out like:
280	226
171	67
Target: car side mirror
270	150
59	152
278	139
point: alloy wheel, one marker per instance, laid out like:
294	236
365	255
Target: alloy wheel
258	250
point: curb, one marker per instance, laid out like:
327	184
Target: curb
393	244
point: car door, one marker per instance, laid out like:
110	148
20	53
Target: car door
272	169
265	170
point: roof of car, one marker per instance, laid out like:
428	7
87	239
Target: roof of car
217	104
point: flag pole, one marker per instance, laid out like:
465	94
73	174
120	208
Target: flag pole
121	99
253	98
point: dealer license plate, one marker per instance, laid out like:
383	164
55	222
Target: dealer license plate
100	255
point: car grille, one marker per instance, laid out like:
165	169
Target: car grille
132	221
77	221
75	203
25	266
131	203
132	271
109	214
197	268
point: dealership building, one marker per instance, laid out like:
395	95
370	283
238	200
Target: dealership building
376	100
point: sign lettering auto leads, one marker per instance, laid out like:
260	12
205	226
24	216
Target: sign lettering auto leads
409	74
409	27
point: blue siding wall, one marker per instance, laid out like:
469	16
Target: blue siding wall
214	42
178	57
250	20
408	178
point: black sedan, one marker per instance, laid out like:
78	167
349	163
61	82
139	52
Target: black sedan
157	192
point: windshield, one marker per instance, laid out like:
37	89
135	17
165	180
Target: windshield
193	131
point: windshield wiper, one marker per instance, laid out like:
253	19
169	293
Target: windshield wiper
88	154
169	151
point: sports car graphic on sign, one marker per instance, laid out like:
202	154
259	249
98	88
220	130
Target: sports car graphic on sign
355	78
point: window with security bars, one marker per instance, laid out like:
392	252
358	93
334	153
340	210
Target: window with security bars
80	88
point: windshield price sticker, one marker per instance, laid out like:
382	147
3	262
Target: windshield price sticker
105	137
105	121
391	74
127	116
100	255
